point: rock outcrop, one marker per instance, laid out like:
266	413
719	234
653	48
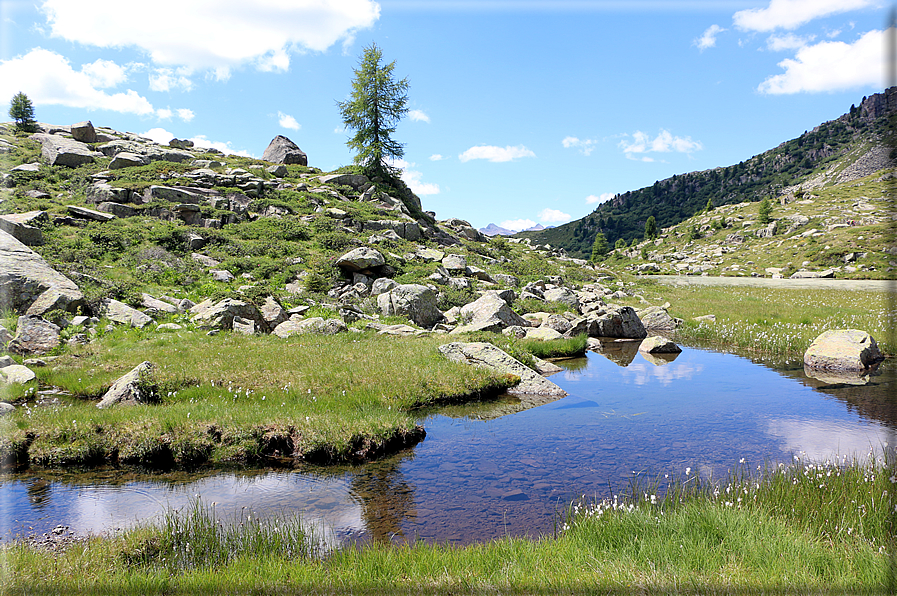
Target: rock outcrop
136	387
843	350
283	150
29	285
488	356
414	301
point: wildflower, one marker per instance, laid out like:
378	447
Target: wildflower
687	471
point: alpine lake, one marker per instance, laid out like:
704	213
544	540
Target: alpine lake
510	466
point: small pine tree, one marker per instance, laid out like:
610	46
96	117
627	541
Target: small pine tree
651	229
709	206
599	248
22	111
619	244
644	253
764	211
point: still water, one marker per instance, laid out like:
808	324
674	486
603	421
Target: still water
507	467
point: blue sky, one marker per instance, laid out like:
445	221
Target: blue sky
522	112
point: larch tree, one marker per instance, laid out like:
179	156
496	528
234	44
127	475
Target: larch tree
374	108
22	111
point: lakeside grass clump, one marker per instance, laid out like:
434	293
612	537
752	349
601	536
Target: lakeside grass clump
804	527
782	321
230	397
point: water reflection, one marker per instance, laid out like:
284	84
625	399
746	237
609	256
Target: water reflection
505	467
618	351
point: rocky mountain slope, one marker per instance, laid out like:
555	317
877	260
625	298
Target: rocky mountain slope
848	148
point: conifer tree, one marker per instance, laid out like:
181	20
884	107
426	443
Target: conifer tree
22	111
599	248
651	228
764	212
376	105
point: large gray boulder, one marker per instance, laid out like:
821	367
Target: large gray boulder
34	335
414	301
84	132
316	325
620	321
358	182
489	312
487	355
843	350
119	312
134	388
61	151
360	259
16	374
220	315
19	225
656	317
658	344
562	295
283	150
28	284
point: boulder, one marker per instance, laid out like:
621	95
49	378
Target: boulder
454	263
656	317
85	213
488	356
180	143
134	388
360	259
543	333
843	350
283	150
34	335
489	312
273	312
220	315
119	312
84	132
620	321
381	285
358	182
658	344
126	159
562	295
16	374
6	408
60	151
25	277
156	305
312	325
244	326
414	301
826	274
19	226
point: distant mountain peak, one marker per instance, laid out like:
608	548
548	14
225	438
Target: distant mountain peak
494	230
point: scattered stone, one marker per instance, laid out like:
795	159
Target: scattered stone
156	305
360	259
85	213
278	170
169	327
119	312
6	408
180	143
220	315
454	262
706	318
843	350
84	132
283	150
658	344
656	317
487	355
34	335
134	388
414	301
60	151
25	278
16	374
244	326
222	275
127	160
543	333
488	313
827	274
19	225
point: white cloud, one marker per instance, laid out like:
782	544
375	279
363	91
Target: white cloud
603	197
164	113
708	38
212	34
158	135
831	66
224	147
48	78
182	113
517	224
789	41
791	14
436	157
413	178
585	146
553	216
664	142
105	73
166	79
185	114
287	121
419	116
496	154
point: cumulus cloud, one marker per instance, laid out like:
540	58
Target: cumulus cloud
708	38
517	225
496	154
436	157
789	41
162	136
105	73
166	79
664	142
791	14
158	135
287	121
419	116
831	66
413	177
164	113
585	146
185	114
553	216
48	78
603	197
214	35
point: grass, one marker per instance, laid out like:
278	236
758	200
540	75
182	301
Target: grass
782	321
236	398
799	528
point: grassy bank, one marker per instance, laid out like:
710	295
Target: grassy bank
236	398
781	321
820	528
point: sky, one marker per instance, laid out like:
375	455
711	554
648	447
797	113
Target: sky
521	112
